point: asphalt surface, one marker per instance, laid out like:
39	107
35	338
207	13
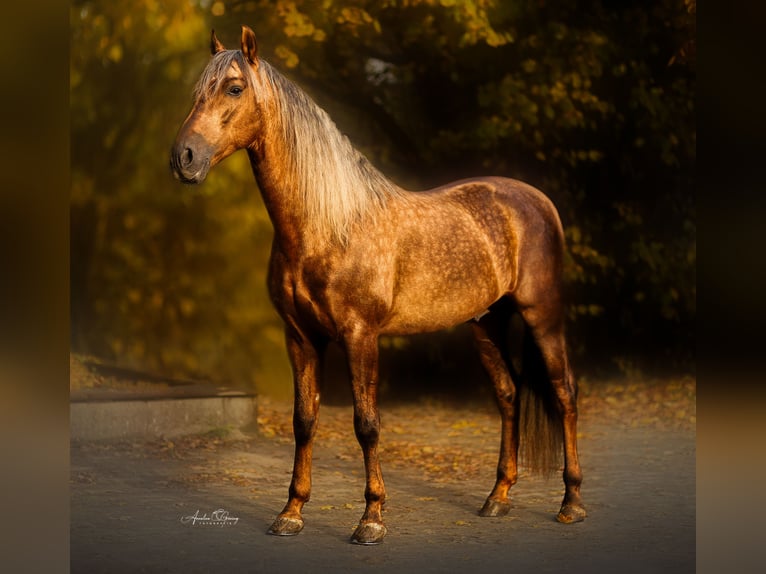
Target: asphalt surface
151	506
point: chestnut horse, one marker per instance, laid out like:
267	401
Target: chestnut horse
355	257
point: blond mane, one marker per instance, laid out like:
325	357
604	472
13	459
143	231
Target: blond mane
337	185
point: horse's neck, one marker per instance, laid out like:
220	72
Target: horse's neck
282	203
314	183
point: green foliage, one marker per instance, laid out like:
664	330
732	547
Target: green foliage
592	102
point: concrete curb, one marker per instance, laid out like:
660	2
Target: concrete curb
158	417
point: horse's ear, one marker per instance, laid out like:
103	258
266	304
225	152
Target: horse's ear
249	46
215	45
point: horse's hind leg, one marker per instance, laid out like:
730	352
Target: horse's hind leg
546	324
491	338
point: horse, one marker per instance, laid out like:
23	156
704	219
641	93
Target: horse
355	257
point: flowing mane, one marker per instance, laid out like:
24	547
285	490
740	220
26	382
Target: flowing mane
337	185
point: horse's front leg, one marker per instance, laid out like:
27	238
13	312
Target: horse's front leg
306	358
362	352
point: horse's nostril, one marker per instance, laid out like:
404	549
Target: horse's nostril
186	157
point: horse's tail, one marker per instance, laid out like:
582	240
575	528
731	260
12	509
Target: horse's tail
540	422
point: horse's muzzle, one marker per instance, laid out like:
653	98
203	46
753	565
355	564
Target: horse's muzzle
190	158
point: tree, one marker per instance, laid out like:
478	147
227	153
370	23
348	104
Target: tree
593	103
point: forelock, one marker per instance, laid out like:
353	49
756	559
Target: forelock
216	71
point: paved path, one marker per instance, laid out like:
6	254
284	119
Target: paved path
128	501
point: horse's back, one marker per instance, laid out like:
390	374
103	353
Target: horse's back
516	217
524	203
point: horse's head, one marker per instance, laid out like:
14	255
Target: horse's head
224	116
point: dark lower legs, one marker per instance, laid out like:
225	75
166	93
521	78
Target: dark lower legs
546	327
548	333
362	352
572	509
491	340
305	357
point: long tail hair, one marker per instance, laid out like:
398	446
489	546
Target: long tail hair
540	422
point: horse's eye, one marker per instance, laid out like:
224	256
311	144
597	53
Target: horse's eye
234	91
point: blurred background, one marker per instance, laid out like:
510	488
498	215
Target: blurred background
593	102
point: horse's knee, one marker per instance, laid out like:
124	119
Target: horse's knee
367	428
304	425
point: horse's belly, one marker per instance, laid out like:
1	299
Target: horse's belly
428	320
439	304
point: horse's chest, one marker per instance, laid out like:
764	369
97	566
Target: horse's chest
301	297
328	296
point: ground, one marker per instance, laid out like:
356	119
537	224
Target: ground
130	502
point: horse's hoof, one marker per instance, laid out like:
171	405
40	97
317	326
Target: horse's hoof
495	508
570	513
286	526
369	533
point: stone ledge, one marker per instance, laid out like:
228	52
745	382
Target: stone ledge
106	418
